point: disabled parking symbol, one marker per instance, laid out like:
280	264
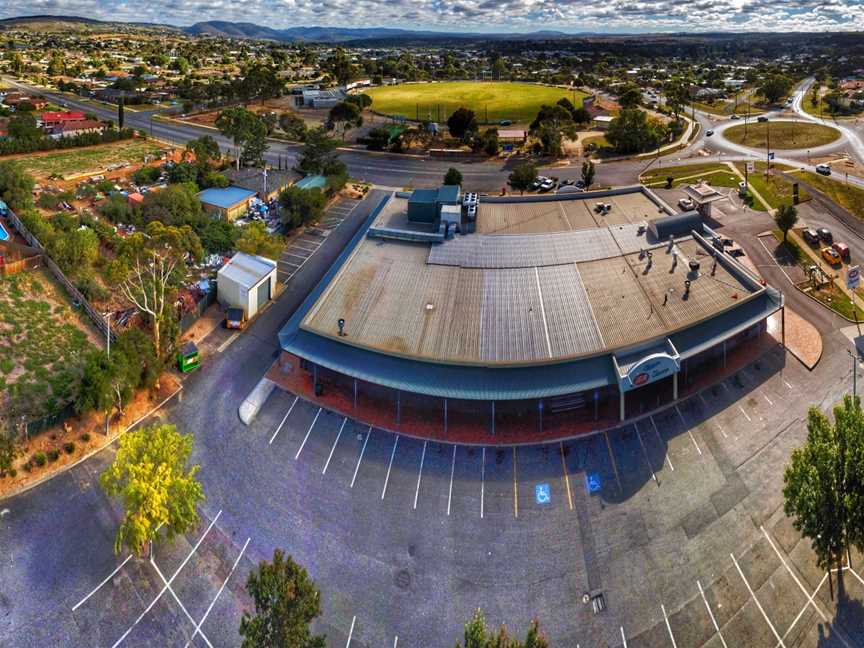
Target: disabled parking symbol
542	493
593	482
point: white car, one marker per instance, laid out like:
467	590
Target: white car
823	169
547	184
686	204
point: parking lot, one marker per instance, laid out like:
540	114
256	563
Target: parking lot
304	246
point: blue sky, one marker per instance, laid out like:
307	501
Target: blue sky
478	15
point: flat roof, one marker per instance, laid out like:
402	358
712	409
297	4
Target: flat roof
225	197
552	295
312	182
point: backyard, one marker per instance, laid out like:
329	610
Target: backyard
42	346
72	162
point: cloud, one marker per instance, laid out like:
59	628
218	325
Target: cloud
479	15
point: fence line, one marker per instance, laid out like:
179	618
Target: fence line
94	315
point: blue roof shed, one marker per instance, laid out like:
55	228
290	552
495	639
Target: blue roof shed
225	198
312	182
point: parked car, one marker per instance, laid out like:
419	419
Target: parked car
825	235
831	256
734	116
547	184
536	184
235	318
811	236
686	204
823	169
569	189
762	118
709	133
843	250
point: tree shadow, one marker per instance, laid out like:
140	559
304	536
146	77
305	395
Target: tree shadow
848	622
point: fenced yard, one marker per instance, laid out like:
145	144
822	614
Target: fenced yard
43	344
71	162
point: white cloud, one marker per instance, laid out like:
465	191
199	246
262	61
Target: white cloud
479	15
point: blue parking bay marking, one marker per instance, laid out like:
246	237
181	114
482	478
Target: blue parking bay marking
542	493
592	481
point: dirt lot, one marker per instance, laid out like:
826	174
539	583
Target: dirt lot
90	160
313	118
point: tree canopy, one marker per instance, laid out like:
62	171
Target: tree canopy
478	635
824	483
286	602
775	86
255	239
522	176
247	131
785	218
301	206
151	475
632	131
462	122
453	177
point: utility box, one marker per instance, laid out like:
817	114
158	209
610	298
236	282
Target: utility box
188	357
424	205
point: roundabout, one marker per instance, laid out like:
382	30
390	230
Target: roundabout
782	135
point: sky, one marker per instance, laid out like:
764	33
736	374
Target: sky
605	16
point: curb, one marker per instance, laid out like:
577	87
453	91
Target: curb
83	458
250	407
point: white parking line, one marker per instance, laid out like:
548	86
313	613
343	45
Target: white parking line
689	431
758	604
804	609
452	470
711	614
170	580
668	627
177	599
218	594
660	440
787	384
360	458
96	589
645	453
308	432
770	402
350	632
566	476
284	418
389	467
623	637
395	641
722	431
420	475
482	481
745	414
333	449
228	342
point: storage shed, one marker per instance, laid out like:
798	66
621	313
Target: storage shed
228	202
247	281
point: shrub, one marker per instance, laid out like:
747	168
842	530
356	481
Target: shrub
85	437
39	459
28	466
53	455
13	473
69	447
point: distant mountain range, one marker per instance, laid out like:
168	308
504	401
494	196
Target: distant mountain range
315	34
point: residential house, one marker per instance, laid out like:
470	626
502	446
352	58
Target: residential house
228	202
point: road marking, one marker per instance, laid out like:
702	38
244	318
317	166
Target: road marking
308	432
711	614
645	454
515	488
787	384
804	609
614	465
177	599
284	418
660	440
170	580
693	439
770	402
333	449
99	586
360	458
350	632
758	604
722	431
419	475
452	470
228	342
623	637
566	477
745	414
668	627
791	573
389	467
482	481
218	594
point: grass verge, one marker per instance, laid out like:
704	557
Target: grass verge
783	134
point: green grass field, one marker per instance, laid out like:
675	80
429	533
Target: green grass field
684	174
492	101
784	135
776	189
848	196
92	158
